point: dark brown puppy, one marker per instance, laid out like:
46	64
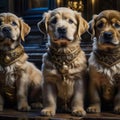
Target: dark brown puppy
104	62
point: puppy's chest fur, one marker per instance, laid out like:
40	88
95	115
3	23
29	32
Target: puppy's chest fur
8	77
64	69
108	68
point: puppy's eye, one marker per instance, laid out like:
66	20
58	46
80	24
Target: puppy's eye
54	21
116	25
13	23
100	25
70	21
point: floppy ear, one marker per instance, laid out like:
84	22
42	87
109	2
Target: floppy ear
82	24
43	24
91	28
25	29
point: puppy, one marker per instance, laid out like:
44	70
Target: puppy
64	64
16	73
104	62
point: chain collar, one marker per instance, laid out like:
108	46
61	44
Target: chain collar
63	58
107	59
9	57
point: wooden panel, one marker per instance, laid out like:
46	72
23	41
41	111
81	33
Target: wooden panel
35	115
96	6
3	5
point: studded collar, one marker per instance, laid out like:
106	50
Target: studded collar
107	59
63	58
9	57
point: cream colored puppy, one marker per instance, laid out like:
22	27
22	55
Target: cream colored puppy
16	73
64	64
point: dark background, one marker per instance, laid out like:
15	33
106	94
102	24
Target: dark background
32	10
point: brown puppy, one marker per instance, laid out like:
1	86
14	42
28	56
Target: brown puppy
104	62
16	74
64	64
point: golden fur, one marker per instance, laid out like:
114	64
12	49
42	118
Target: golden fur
64	28
21	74
105	31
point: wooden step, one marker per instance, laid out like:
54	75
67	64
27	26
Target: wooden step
10	114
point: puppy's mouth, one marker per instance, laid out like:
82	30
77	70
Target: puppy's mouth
108	38
6	33
6	41
62	39
6	38
111	43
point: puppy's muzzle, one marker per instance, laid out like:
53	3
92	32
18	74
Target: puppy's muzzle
62	32
7	32
108	36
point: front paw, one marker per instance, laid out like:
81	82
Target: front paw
24	107
94	109
79	112
117	109
49	111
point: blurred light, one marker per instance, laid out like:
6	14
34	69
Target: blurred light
76	5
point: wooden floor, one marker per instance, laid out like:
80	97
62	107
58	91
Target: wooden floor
35	115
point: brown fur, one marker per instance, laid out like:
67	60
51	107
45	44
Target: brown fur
17	77
72	88
105	30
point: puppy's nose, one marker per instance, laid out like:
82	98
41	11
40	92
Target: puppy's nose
6	30
108	35
61	30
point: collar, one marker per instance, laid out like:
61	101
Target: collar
9	57
107	59
63	58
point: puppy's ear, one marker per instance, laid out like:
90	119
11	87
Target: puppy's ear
82	24
91	28
25	29
43	24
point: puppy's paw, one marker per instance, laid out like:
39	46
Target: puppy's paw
79	112
117	109
24	107
49	111
94	109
